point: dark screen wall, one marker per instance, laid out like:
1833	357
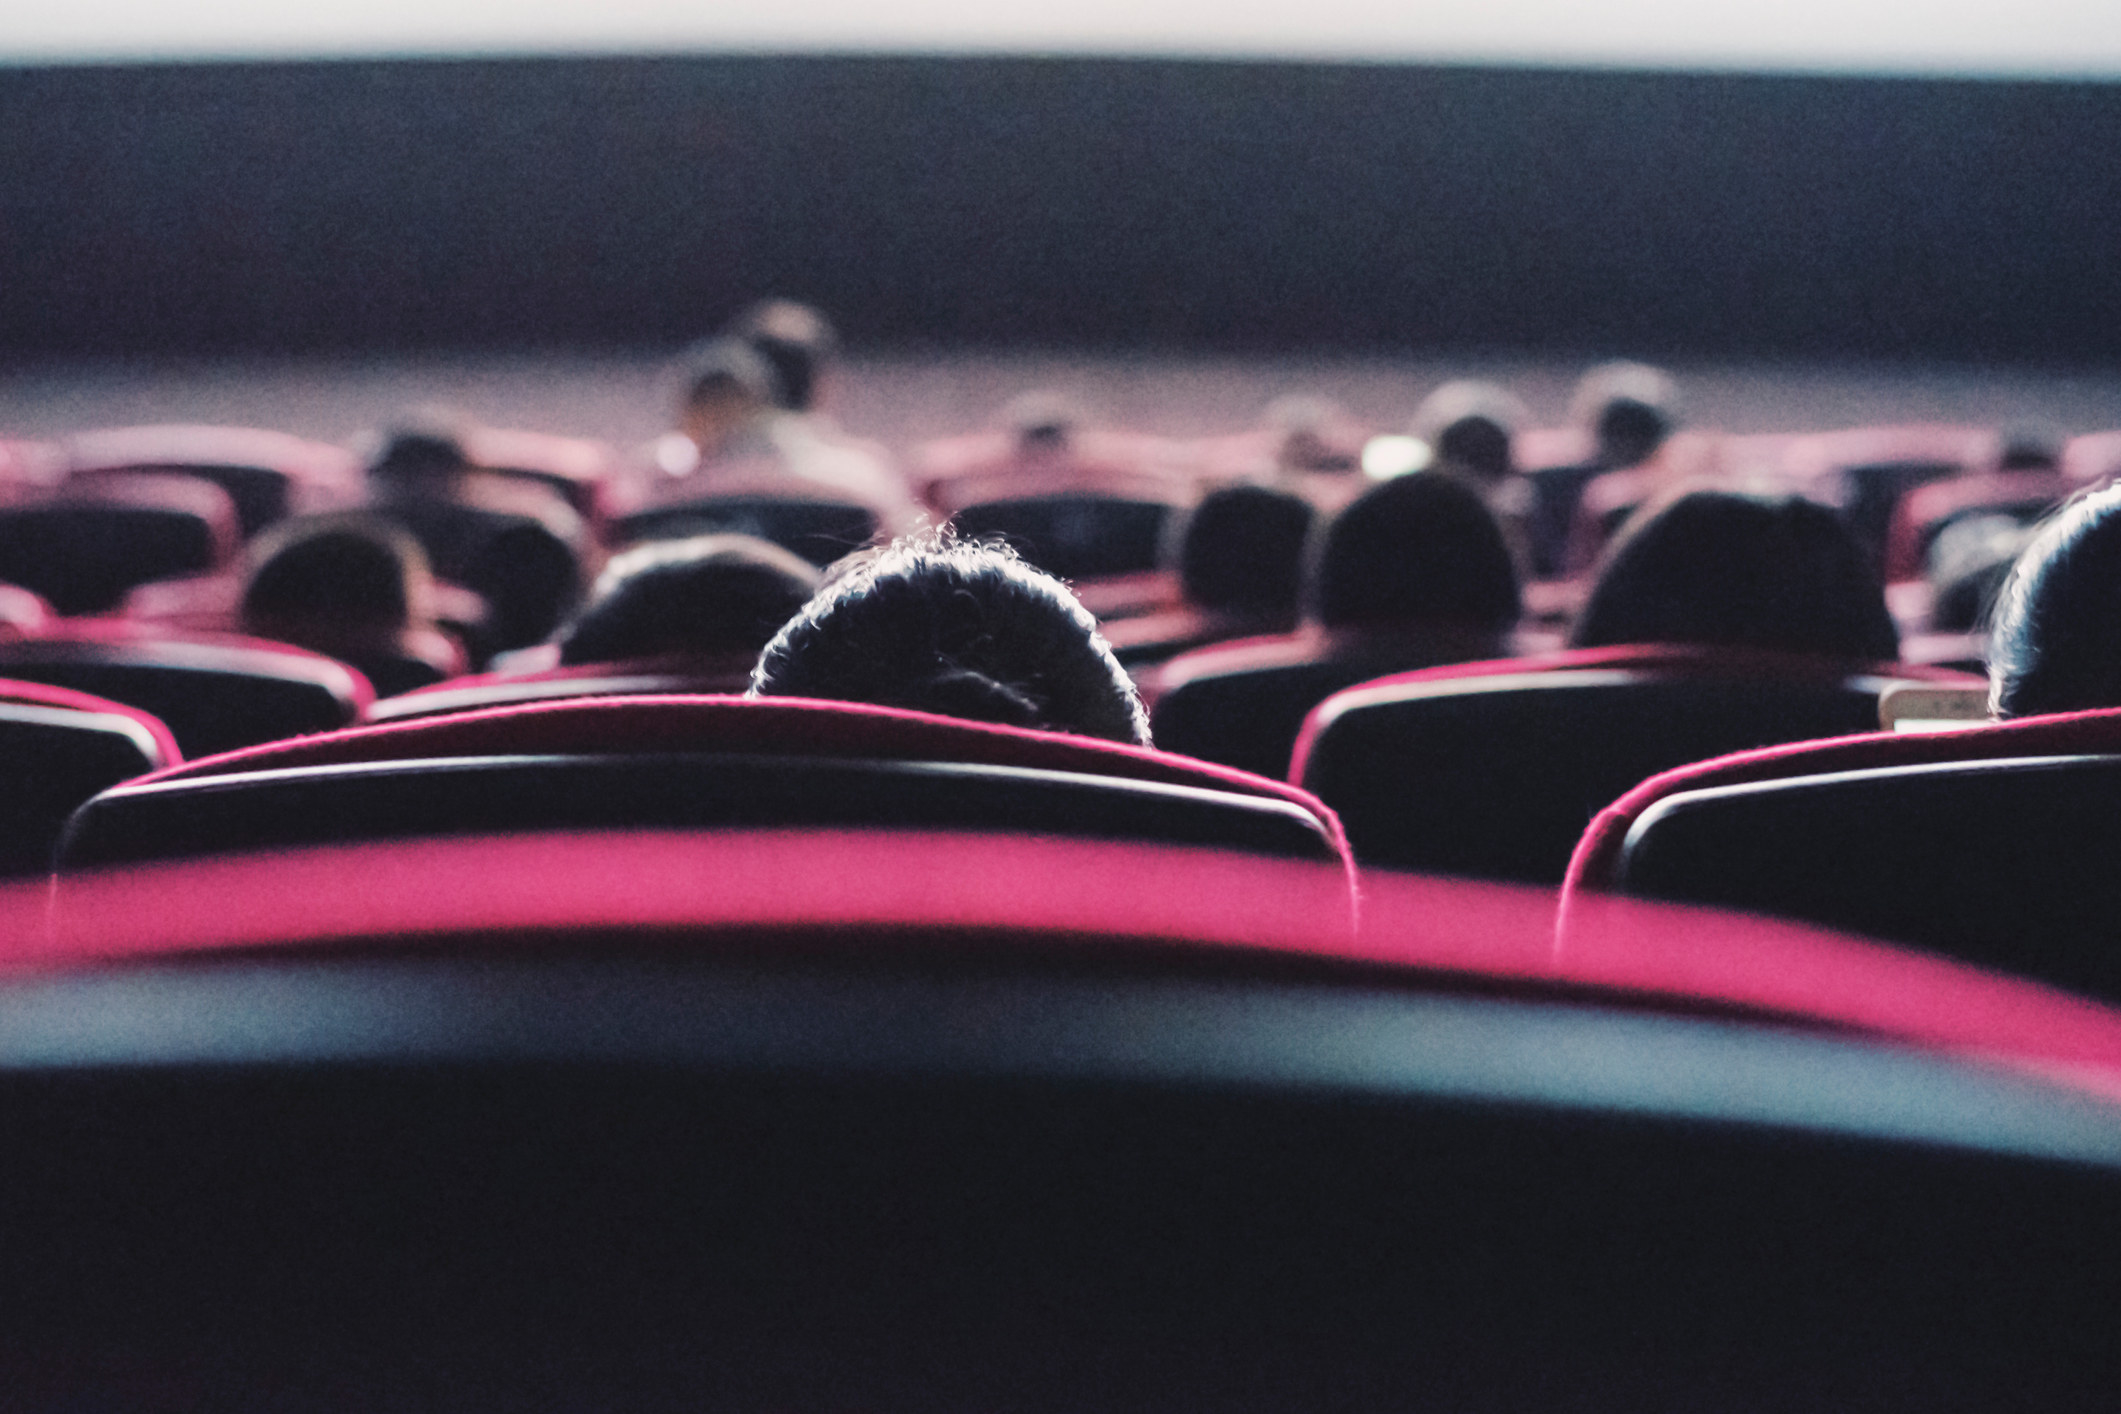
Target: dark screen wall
1232	206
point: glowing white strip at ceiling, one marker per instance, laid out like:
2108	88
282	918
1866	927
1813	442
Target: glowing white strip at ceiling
2079	38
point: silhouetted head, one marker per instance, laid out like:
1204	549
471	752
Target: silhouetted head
1739	570
345	575
1468	425
1419	550
1043	420
420	453
709	595
796	339
1243	551
1629	408
2056	644
962	629
724	384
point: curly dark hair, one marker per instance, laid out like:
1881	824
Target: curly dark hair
960	628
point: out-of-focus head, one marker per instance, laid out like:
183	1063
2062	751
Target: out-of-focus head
2056	643
2030	446
343	576
1629	409
1739	570
710	595
425	449
724	383
796	339
1469	424
1421	549
961	629
1043	420
1315	434
1243	550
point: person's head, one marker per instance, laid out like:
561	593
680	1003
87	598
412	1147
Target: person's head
957	628
1242	551
1629	409
1419	550
343	577
711	595
796	340
1314	434
1043	421
725	384
1739	570
2056	643
1468	425
425	451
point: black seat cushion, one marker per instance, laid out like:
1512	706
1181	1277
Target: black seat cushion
489	794
1074	535
53	759
1499	776
2007	864
819	531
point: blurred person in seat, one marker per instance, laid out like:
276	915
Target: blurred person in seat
1777	573
1628	411
355	588
958	628
704	606
1240	573
1413	574
749	412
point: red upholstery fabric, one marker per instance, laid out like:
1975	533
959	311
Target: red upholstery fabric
786	726
2064	734
1674	657
886	890
1925	510
37	694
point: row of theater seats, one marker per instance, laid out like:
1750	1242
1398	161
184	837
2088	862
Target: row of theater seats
1612	767
523	518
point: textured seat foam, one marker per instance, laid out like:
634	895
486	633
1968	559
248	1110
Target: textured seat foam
2008	864
818	530
214	694
1082	535
484	795
56	754
1498	775
1592	867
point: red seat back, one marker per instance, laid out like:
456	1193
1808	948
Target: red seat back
216	692
1495	768
1592	867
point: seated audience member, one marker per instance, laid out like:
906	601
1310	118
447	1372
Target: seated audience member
2056	641
739	430
355	588
1629	410
1741	570
1415	569
516	543
1413	574
713	600
1240	570
957	628
1470	427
